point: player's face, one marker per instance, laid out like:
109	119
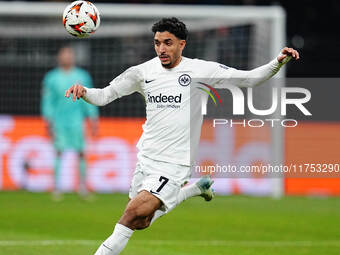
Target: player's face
168	48
66	58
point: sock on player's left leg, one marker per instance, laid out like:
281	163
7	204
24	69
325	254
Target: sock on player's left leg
184	193
116	242
157	214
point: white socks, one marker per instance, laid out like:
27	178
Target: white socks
116	242
184	193
187	192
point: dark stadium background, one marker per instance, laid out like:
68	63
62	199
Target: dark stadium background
310	29
312	21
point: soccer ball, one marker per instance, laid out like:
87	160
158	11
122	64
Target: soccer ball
81	18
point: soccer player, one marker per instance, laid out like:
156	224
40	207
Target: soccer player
165	155
65	121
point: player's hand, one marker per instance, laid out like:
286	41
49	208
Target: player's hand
77	90
286	53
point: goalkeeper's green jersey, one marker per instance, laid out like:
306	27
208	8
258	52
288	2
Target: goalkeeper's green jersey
59	111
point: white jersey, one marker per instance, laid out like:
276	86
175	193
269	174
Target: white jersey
170	125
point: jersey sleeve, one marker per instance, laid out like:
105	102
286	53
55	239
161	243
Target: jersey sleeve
224	76
47	97
124	84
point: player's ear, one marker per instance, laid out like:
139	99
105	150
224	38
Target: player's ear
182	44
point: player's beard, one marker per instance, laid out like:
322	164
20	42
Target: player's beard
168	65
171	61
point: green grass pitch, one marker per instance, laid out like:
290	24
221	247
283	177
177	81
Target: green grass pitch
31	223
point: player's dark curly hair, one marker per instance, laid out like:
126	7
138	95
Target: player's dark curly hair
173	26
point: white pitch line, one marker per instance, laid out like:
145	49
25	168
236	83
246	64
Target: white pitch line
47	242
316	243
244	243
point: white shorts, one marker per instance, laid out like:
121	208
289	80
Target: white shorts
162	179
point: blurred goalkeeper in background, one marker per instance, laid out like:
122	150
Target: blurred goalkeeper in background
66	121
165	154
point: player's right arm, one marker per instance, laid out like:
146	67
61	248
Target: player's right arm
125	84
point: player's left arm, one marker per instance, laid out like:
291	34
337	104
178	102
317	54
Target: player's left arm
260	74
